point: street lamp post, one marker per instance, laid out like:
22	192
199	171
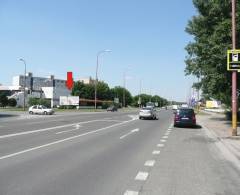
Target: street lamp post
24	84
234	73
96	77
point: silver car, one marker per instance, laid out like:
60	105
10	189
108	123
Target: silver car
148	112
40	109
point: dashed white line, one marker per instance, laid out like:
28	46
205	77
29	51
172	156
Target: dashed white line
141	176
149	163
156	152
132	131
160	145
128	192
162	140
165	137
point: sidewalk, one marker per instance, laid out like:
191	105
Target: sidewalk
221	128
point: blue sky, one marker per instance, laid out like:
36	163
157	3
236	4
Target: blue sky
147	40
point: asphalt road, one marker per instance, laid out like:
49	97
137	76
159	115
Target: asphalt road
108	154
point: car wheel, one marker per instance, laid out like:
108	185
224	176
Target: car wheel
31	112
140	117
45	113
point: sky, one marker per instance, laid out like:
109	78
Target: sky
147	39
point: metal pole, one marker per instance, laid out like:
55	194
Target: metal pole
24	84
96	80
96	77
124	85
234	73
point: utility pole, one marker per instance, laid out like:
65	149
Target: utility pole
234	73
124	86
24	84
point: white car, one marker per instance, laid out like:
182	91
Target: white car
40	109
148	112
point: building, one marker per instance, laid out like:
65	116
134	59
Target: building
87	80
39	87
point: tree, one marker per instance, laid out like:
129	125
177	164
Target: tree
207	53
39	101
87	91
12	102
117	92
3	100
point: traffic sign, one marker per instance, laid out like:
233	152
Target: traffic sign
233	60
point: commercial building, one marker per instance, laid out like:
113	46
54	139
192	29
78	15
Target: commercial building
39	87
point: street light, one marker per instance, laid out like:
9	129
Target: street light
24	84
96	78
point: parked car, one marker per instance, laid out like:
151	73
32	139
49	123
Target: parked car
40	109
184	117
148	112
112	109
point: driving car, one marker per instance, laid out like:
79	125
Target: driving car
40	109
112	109
184	117
148	112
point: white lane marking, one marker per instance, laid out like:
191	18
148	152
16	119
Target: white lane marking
149	163
160	145
162	140
165	137
63	140
169	129
47	129
141	176
167	134
77	127
129	192
132	131
156	152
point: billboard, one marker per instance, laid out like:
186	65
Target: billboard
69	100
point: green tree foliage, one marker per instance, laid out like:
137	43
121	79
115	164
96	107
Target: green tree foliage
207	53
117	92
3	100
39	101
87	91
12	102
148	98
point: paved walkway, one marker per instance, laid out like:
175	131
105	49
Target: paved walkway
221	128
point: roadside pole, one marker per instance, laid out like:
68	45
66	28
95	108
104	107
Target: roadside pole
234	73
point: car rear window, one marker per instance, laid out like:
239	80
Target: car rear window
186	112
146	108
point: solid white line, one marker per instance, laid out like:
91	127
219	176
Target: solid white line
128	192
47	129
156	152
63	140
132	131
149	163
142	176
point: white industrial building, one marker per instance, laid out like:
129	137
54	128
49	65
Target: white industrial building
40	87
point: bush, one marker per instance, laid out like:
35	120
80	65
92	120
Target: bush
12	102
3	100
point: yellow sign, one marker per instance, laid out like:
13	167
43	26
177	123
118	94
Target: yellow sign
233	60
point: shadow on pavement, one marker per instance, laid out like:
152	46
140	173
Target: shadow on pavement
189	127
7	115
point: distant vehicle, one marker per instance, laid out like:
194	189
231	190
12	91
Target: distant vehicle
184	117
150	104
40	109
175	107
148	112
184	106
112	109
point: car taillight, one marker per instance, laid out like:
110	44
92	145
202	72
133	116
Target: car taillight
176	117
194	117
